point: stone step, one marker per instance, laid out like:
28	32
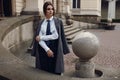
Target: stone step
67	26
69	41
71	36
71	32
69	29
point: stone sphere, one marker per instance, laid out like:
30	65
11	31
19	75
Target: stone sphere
85	45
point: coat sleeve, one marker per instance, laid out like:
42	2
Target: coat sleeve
64	41
35	43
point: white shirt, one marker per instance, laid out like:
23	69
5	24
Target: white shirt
44	37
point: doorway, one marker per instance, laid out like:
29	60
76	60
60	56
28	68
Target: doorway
5	8
104	9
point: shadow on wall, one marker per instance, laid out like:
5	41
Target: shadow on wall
3	78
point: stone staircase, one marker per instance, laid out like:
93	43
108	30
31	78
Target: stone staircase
70	32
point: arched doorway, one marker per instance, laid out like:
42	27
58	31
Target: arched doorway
5	8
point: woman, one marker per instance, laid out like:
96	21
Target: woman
50	44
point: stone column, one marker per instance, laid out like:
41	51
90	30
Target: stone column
68	8
68	13
58	6
111	9
33	7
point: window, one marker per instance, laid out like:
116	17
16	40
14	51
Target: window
76	3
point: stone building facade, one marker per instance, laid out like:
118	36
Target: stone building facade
84	9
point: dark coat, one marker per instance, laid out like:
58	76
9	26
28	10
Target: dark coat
62	45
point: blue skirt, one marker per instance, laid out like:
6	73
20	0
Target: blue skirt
44	62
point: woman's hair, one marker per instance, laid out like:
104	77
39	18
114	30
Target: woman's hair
46	5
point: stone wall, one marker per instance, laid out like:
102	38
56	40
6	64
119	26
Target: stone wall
20	31
87	18
20	34
20	4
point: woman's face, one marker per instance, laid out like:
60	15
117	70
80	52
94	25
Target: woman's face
49	11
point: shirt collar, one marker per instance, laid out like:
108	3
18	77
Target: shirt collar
50	19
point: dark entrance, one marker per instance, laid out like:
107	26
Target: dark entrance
104	9
5	8
1	8
117	9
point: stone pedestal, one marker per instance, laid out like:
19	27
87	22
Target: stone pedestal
85	45
85	69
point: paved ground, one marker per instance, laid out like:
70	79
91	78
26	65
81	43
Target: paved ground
109	52
108	55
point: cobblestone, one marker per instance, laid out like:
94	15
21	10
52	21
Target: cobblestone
109	51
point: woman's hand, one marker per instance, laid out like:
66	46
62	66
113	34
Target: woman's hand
37	38
50	53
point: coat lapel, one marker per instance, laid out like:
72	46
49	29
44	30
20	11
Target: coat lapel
57	24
